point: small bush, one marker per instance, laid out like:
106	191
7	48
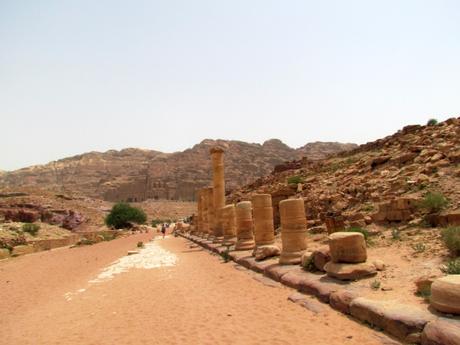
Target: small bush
396	234
432	122
425	293
375	285
226	255
419	247
31	228
140	244
434	202
451	237
85	242
123	214
368	208
360	230
309	265
452	267
295	179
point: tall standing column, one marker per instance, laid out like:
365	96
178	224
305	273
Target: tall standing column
244	226
293	231
218	180
198	226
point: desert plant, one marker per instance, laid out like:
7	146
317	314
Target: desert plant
396	234
85	242
30	228
432	122
375	285
226	254
425	293
452	267
309	265
368	208
434	202
419	247
122	215
360	230
140	244
451	237
295	179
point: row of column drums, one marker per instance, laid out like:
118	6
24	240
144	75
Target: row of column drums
249	224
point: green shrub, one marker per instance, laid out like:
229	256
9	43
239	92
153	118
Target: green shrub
360	230
140	244
122	215
375	285
432	122
453	267
396	234
309	265
295	179
451	237
85	242
419	247
31	228
434	202
226	255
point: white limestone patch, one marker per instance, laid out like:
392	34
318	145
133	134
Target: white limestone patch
151	256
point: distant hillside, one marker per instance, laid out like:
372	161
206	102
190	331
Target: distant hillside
134	174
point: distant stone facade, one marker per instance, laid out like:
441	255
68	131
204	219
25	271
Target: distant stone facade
143	189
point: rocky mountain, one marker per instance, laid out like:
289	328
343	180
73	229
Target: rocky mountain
135	175
402	178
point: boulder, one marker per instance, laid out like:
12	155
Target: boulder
345	271
441	332
445	294
264	252
349	247
321	257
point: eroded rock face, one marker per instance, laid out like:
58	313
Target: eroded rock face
441	332
135	175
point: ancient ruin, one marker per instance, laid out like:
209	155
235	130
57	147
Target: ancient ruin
293	231
264	231
218	181
229	225
244	226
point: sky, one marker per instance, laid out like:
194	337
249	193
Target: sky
80	76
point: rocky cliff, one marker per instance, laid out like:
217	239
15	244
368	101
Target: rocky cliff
386	181
136	175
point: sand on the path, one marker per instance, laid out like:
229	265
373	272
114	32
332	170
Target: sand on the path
184	295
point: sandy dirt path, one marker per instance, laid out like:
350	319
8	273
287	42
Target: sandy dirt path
194	298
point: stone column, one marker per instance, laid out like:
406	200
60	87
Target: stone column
229	225
198	226
244	226
209	212
218	181
264	229
293	231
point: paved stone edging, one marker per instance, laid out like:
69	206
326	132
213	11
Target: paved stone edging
407	323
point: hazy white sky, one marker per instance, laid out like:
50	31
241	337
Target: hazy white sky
78	76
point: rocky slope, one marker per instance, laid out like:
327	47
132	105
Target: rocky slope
382	182
136	175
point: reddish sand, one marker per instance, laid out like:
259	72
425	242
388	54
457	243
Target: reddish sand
201	300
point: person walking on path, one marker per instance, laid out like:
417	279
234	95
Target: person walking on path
163	230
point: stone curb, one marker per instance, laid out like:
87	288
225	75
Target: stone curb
404	322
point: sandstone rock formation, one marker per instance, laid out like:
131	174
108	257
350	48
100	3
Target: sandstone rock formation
135	174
